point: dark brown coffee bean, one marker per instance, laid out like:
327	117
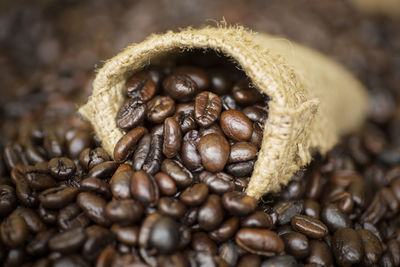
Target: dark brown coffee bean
309	226
312	208
25	194
39	179
210	213
394	249
98	238
97	186
35	153
52	143
145	229
92	157
241	183
259	241
185	108
236	125
194	195
128	235
249	260
13	155
257	135
80	141
213	128
172	137
190	155
141	85
256	114
58	197
386	260
144	188
166	184
32	219
258	219
94	207
285	210
175	169
126	211
16	257
61	168
376	210
141	153
120	183
154	158
190	216
244	94
334	217
228	252
284	260
347	247
125	147
201	242
207	108
180	87
218	183
390	199
199	76
238	203
131	114
68	241
171	207
214	152
72	217
48	216
160	108
38	246
372	247
320	253
228	102
103	170
242	151
71	260
226	230
8	200
241	169
296	244
186	121
164	235
13	230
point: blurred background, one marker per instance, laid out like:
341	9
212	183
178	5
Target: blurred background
50	49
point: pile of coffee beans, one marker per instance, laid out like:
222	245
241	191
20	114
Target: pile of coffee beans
174	193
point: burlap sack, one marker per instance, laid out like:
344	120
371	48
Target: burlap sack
389	8
314	100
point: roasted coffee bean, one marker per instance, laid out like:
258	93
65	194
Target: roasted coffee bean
210	213
334	217
229	253
185	108
175	169
201	242
376	210
164	235
347	247
145	229
284	260
285	210
226	230
312	208
144	188
125	147
141	85
68	241
236	125
48	216
71	260
120	184
249	260
257	135
172	137
244	94
238	203
185	236
141	152
213	128
228	102
194	195
98	238
207	108
13	155
190	155
186	121
309	226
214	152
241	169
8	200
72	217
89	158
296	244
80	141
32	220
61	168
386	260
259	241
131	114
39	245
320	253
160	108
257	219
218	183
97	186
256	114
13	230
199	76
58	197
390	199
16	257
190	216
242	151
166	184
172	207
25	194
241	183
52	143
154	158
94	207
124	211
394	249
128	235
372	247
38	178
103	170
180	87
34	153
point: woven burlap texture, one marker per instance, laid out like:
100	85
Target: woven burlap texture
313	99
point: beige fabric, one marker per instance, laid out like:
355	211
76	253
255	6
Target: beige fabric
390	8
314	100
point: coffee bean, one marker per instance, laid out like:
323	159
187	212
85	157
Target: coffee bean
386	260
257	219
80	141
48	216
229	253
320	253
312	208
218	183
8	200
259	241
394	249
145	229
285	210
172	207
32	219
94	207
207	108
98	238
241	169
15	257
58	197
213	128
38	178
284	260
13	230
376	210
372	247
160	108
25	194
182	176
166	184
228	102
128	235
249	260
144	188
296	244
125	147
256	114
141	152
257	135
141	85
131	114
52	143
71	260
210	213
334	217
61	168
214	152
13	155
172	137
180	87
124	211
35	153
201	242
120	184
238	203
68	241
309	226
244	94
194	195
242	151
236	125
199	76
103	170
186	121
89	158
97	186
190	216
154	158
164	236
190	155
226	230
38	246
72	217
347	247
